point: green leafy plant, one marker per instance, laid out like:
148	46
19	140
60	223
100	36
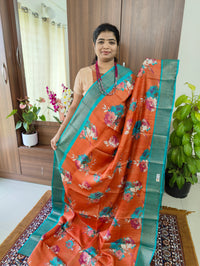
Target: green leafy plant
28	114
183	158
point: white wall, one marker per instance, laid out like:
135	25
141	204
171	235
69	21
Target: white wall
189	50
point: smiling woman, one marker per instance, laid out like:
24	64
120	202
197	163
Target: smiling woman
106	46
44	47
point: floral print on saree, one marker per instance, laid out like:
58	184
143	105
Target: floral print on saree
105	178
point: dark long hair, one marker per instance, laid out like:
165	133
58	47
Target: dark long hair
106	27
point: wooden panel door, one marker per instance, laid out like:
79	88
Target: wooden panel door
150	29
9	157
83	17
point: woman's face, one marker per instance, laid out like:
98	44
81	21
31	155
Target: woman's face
106	46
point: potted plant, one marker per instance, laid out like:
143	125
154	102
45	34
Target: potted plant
28	114
183	157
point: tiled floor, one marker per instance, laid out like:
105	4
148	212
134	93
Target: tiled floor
17	199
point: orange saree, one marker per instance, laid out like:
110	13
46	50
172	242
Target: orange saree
108	173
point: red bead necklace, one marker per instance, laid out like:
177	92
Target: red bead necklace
100	83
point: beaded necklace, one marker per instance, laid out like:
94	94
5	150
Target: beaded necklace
100	83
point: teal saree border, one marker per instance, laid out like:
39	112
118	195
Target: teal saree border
67	139
157	160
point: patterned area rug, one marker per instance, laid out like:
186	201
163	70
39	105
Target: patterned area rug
174	243
169	249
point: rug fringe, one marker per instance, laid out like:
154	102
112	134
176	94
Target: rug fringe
170	209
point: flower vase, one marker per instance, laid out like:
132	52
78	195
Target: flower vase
30	140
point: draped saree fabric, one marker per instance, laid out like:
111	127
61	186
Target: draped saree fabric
108	175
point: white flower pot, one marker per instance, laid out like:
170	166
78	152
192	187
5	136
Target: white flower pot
30	139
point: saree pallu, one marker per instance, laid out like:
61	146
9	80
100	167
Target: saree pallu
108	173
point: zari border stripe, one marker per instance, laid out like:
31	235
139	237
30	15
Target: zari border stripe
156	169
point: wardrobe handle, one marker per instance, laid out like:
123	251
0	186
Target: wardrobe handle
4	73
18	56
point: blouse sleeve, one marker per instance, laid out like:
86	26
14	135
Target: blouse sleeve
78	85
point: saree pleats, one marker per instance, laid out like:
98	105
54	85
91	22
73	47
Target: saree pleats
109	173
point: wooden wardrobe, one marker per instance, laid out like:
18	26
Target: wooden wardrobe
148	28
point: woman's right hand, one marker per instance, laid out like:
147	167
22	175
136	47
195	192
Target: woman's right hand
54	140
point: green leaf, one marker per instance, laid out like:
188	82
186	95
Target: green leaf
186	171
197	151
188	124
174	139
192	179
177	140
171	138
195	178
187	149
12	113
56	118
194	120
186	138
196	127
192	87
50	108
38	110
177	111
26	126
175	123
174	155
172	180
197	115
29	117
197	161
182	112
191	165
189	179
18	125
180	157
196	139
181	99
185	111
35	109
198	105
43	118
180	131
180	181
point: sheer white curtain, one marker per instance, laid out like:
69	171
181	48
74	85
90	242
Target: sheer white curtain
44	55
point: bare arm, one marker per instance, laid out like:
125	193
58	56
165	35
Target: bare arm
71	111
